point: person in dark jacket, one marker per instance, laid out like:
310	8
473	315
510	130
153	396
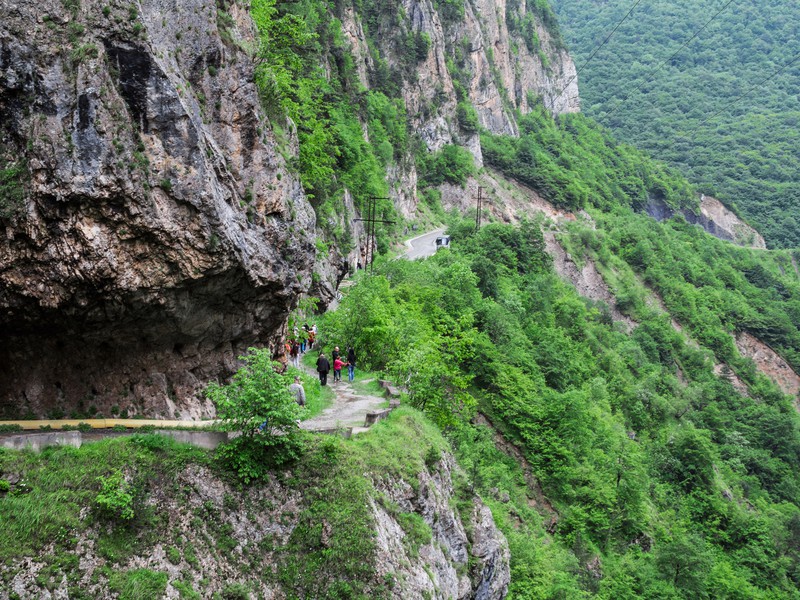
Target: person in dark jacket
323	367
351	364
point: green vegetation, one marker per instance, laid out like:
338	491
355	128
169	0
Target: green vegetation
114	499
139	584
573	163
297	41
330	548
44	506
746	156
257	402
452	164
670	486
12	189
713	288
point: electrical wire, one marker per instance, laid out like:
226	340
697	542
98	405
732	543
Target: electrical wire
596	50
661	66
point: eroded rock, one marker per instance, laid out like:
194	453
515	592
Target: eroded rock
162	234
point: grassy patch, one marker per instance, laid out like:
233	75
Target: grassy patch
55	485
418	532
367	384
139	584
330	553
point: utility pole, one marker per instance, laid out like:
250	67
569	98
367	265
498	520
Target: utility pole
371	220
480	209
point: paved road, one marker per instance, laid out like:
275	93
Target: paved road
423	245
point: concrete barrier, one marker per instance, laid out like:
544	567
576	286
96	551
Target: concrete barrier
345	432
38	441
389	388
34	424
375	416
201	439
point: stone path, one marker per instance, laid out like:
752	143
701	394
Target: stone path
348	410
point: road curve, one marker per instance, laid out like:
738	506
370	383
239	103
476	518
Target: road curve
423	245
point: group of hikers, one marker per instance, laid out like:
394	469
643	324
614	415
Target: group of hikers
323	368
300	343
324	365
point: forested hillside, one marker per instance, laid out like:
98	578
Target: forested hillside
661	480
724	110
627	446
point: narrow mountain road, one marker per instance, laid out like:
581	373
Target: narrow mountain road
423	245
348	410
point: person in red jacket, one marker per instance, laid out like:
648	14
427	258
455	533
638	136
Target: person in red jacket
338	363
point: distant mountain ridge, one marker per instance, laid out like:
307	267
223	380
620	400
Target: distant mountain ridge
743	65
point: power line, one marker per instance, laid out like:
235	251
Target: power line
608	37
661	66
740	97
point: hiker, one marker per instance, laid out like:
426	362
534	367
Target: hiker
304	339
299	393
312	336
323	366
294	354
338	363
351	364
335	353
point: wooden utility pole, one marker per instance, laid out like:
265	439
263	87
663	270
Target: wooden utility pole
371	220
479	210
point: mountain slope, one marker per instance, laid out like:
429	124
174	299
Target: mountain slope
747	154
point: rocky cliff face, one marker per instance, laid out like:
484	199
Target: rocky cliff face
453	564
149	228
715	218
494	55
214	536
161	233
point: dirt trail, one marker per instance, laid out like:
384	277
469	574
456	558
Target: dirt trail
349	408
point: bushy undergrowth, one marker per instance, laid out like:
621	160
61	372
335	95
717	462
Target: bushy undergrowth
45	505
333	482
259	407
575	163
671	484
711	287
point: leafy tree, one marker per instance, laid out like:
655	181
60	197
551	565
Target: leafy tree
258	406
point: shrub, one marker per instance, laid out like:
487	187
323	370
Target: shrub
452	164
467	117
257	403
115	500
234	591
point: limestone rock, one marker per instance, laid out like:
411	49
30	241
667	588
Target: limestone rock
162	233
